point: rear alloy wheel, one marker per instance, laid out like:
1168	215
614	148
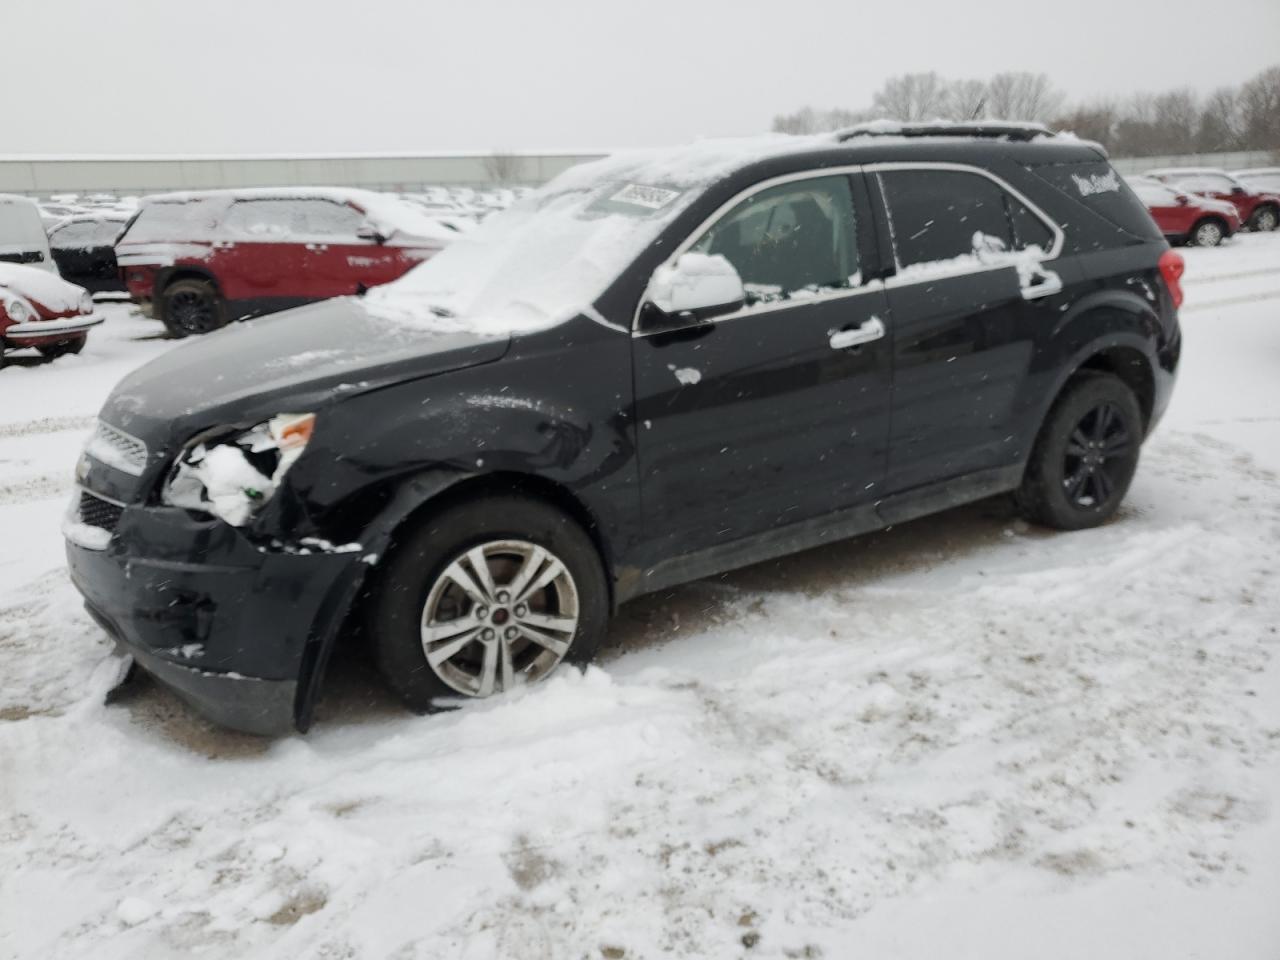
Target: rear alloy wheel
488	596
1208	233
1086	455
192	307
1266	220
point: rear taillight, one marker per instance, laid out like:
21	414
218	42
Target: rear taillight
1171	267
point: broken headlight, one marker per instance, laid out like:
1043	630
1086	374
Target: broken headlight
232	476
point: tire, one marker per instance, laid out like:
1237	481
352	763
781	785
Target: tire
417	592
191	307
55	350
1208	233
1265	219
1070	483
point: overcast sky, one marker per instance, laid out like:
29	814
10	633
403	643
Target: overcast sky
284	76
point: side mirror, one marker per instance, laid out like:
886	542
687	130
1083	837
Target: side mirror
695	288
1237	190
367	231
1183	199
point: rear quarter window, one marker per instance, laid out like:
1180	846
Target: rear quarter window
1096	185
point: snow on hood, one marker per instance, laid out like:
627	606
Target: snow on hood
551	255
42	288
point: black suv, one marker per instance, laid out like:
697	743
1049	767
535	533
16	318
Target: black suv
659	367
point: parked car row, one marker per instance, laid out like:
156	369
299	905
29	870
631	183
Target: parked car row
202	259
1203	206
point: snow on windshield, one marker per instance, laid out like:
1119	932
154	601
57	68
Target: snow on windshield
551	255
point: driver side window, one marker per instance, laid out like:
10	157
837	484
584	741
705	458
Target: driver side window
790	241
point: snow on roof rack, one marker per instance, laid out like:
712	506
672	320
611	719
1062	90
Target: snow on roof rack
1003	129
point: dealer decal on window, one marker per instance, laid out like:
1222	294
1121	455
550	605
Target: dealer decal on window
1097	183
638	195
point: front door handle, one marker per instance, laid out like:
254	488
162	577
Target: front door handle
873	329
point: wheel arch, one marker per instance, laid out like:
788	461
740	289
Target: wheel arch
1220	220
172	275
414	501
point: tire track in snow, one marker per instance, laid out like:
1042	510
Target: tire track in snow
45	425
46	486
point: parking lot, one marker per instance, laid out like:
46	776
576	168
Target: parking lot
962	730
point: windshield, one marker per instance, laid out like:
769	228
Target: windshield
552	254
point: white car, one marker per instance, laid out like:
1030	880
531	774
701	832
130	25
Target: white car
22	234
39	309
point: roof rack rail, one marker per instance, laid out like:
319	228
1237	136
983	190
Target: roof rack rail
995	129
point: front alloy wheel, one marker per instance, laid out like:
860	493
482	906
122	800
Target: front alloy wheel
485	595
1207	234
501	614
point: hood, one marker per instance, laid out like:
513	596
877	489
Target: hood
297	361
45	291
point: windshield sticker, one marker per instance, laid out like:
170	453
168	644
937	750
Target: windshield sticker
1097	183
638	195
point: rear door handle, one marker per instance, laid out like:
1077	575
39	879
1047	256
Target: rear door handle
873	329
1043	284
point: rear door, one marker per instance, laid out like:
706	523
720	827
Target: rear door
263	258
778	412
966	305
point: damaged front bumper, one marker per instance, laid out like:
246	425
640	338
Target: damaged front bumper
235	629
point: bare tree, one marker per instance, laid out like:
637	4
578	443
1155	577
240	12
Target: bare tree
807	120
1220	126
912	96
1260	110
1022	96
967	100
503	167
1096	121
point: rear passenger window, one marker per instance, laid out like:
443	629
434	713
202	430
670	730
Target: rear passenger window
939	216
790	240
284	219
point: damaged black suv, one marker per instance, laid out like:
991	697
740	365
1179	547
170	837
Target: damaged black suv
659	367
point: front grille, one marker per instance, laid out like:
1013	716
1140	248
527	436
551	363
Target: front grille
118	449
96	512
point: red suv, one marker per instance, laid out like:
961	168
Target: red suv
207	258
1186	217
1258	209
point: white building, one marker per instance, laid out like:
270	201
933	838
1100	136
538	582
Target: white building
43	176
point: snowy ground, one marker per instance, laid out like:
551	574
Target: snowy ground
962	737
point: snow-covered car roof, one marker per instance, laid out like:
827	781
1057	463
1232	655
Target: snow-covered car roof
388	214
41	287
1257	172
